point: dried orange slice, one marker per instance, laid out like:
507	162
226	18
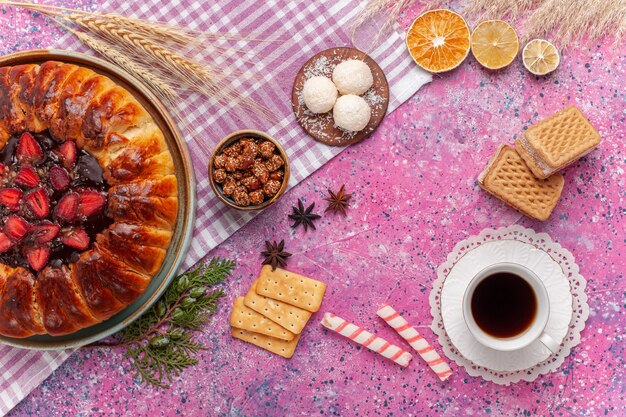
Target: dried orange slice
494	44
540	57
438	40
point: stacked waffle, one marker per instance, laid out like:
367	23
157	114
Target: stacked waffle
277	307
526	176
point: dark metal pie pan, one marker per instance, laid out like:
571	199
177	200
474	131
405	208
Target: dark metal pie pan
186	200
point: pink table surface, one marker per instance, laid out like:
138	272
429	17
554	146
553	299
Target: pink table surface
414	197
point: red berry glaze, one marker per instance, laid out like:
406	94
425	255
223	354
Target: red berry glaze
45	231
75	238
37	256
27	177
67	207
29	149
10	198
52	199
38	203
59	179
67	153
91	201
5	243
16	227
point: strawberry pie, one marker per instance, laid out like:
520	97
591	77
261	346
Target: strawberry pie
88	199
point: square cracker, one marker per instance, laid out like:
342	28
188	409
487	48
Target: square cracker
277	346
291	318
292	288
245	318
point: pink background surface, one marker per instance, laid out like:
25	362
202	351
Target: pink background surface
414	197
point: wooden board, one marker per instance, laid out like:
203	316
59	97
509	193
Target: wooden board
321	127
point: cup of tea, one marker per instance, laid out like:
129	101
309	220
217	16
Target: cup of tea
506	307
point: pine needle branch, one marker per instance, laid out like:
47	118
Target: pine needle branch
161	344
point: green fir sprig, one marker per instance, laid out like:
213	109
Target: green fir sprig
161	344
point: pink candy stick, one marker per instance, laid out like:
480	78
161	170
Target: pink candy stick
367	339
417	342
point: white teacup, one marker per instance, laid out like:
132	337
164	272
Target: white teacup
534	331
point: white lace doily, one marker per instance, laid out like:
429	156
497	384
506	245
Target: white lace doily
475	260
579	299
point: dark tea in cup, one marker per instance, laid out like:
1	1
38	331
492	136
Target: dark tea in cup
504	305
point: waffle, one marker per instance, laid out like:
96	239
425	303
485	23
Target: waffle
555	142
508	178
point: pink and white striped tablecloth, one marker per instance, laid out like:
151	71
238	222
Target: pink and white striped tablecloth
304	28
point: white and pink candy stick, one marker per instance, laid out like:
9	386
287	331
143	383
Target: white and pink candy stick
417	342
367	339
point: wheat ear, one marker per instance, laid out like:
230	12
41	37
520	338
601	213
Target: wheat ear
146	44
162	89
177	64
152	30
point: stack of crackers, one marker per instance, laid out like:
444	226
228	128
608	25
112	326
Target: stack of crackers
277	307
525	176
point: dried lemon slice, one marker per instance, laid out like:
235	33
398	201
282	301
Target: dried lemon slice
494	44
438	40
540	57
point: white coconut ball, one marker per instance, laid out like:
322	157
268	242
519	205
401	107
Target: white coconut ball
353	77
319	94
351	113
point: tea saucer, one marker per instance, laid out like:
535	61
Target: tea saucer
474	261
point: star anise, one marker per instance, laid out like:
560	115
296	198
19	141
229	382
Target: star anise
303	217
275	254
338	203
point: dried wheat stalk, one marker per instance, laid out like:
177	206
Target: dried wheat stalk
578	17
566	20
132	42
186	71
149	27
104	49
183	39
113	31
152	30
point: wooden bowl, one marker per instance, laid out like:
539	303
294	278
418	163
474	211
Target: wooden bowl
229	140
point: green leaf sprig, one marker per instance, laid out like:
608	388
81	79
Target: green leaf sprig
161	344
